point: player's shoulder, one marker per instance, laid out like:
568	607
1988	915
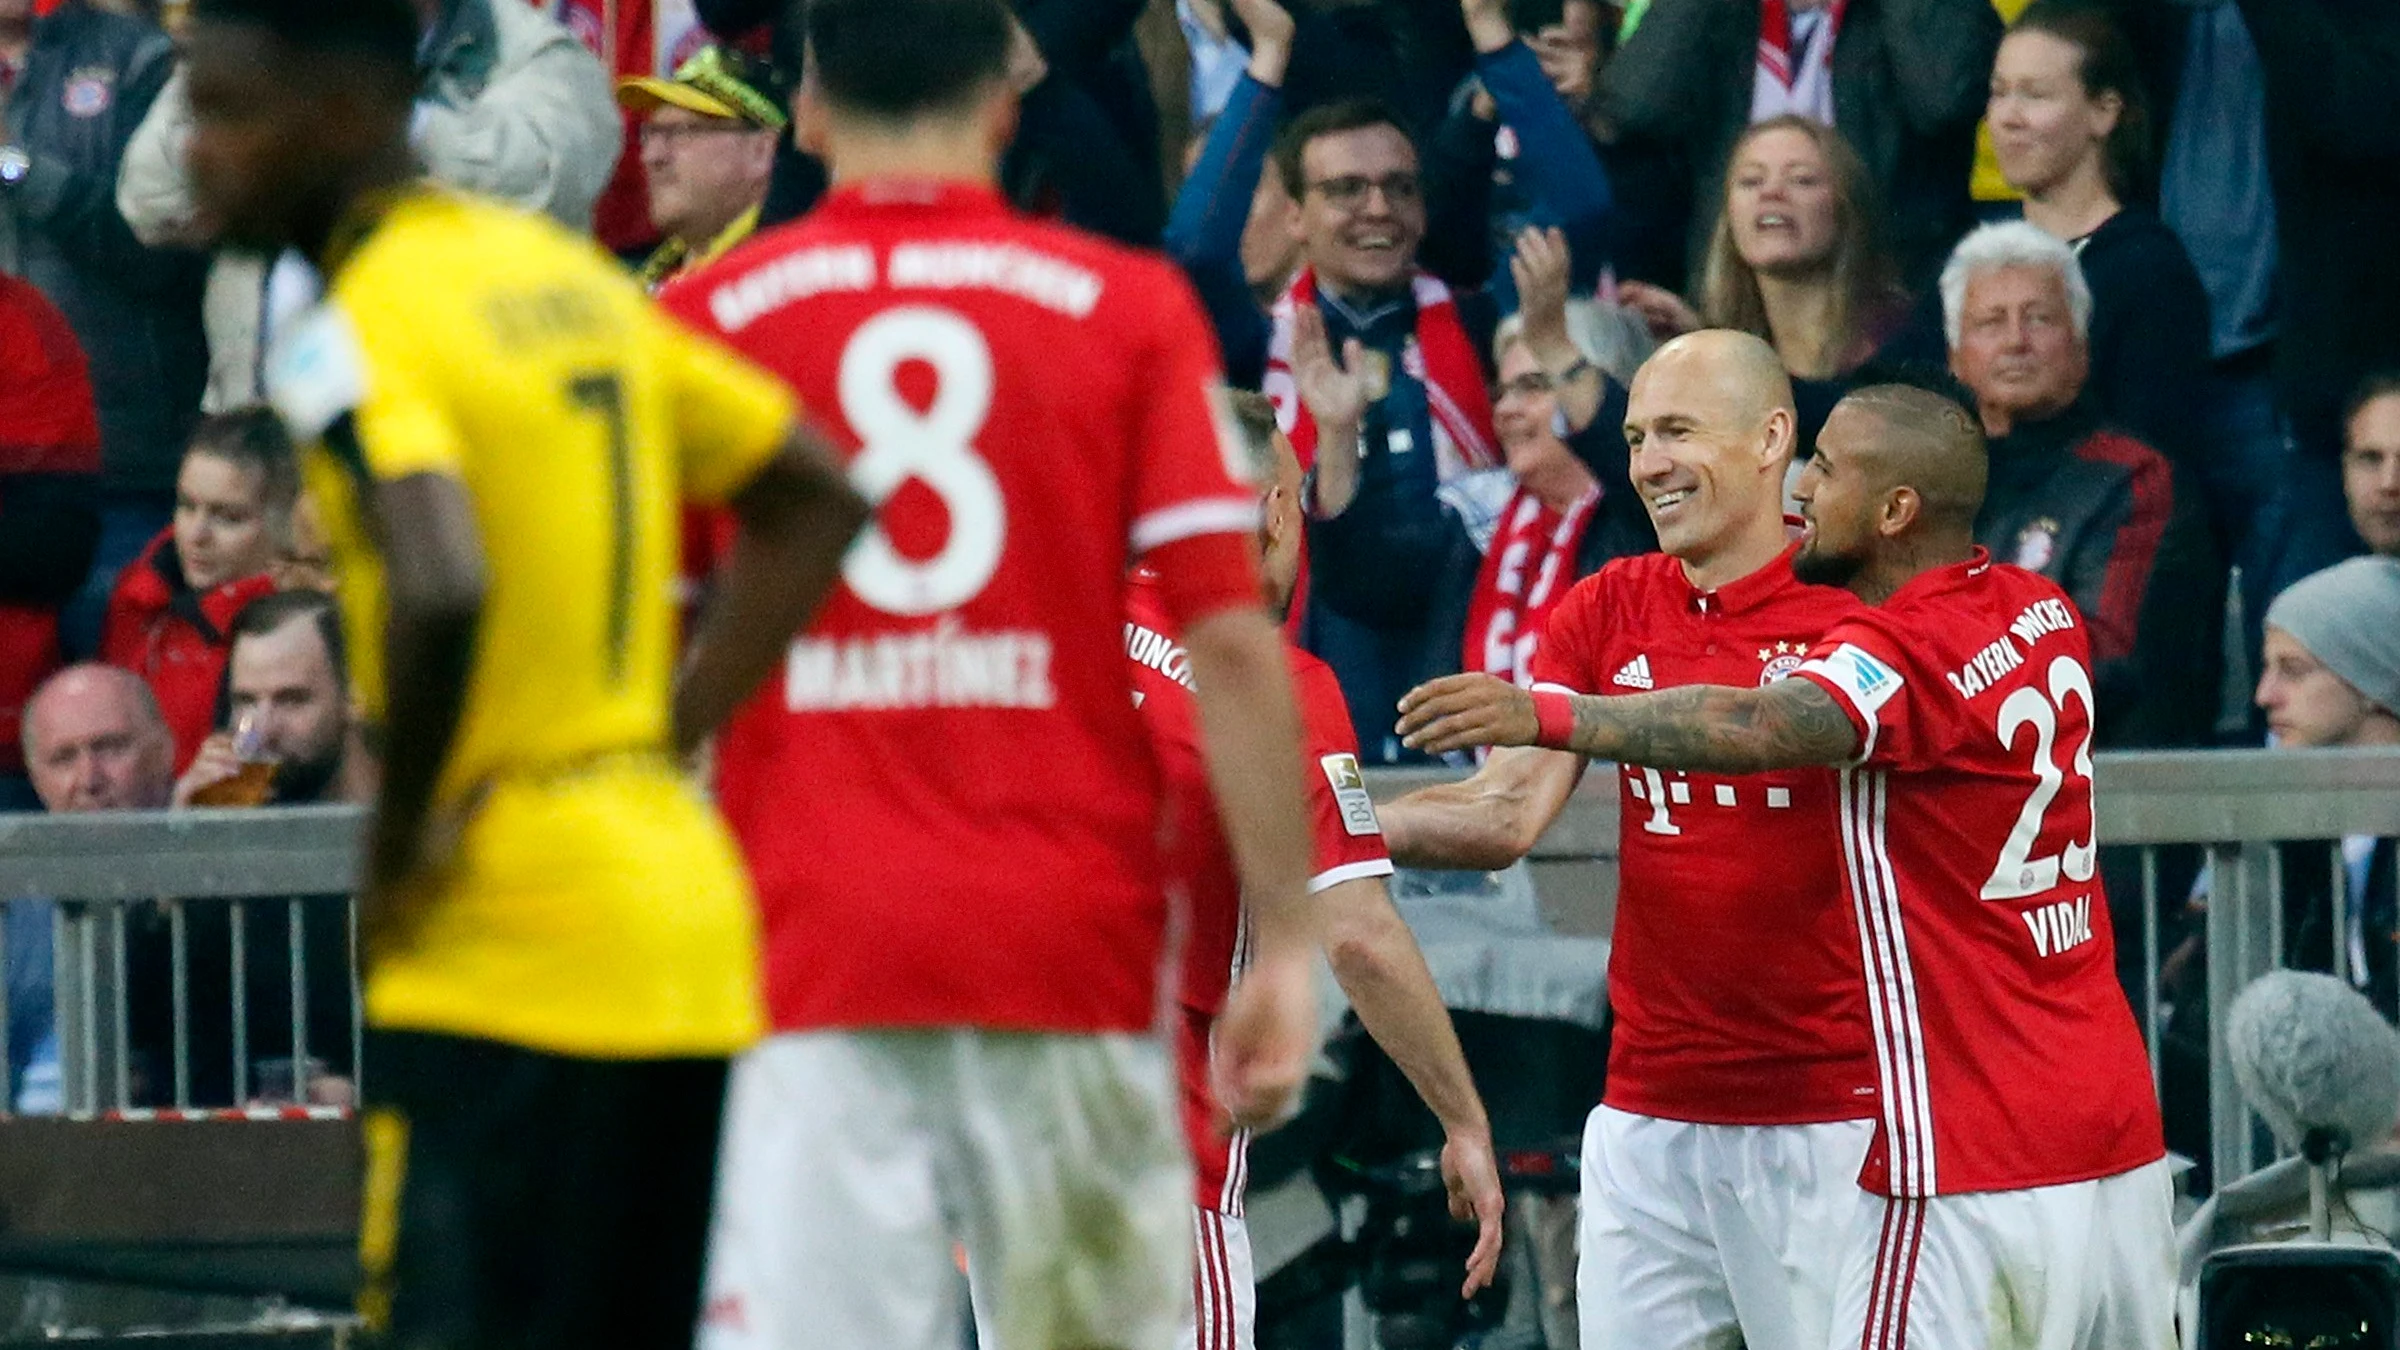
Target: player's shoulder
1317	689
478	269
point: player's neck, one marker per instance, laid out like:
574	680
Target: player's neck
1759	543
942	153
1901	561
321	232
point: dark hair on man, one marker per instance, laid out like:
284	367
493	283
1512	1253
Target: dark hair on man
382	31
2106	65
270	613
1329	119
896	58
254	438
2380	384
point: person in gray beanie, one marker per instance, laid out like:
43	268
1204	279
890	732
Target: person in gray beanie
2332	667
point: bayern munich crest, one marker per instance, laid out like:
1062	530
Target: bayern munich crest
1781	660
89	91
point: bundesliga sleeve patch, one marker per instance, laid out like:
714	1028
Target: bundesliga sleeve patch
1350	794
1867	681
316	372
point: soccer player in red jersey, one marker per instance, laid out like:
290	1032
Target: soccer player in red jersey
1375	959
1741	1083
945	794
2019	1164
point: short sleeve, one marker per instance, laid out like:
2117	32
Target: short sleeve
1191	473
729	416
377	408
1570	647
1349	843
1870	677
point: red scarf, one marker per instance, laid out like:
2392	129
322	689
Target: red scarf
1529	566
1441	358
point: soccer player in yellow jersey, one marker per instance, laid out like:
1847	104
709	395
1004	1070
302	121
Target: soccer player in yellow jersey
558	939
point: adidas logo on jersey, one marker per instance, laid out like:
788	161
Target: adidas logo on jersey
1636	674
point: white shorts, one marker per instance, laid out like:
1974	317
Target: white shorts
2085	1266
856	1164
1224	1312
1695	1237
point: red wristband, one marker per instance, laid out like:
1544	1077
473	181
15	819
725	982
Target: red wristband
1553	719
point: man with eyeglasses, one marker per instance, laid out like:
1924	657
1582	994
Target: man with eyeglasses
1358	213
708	150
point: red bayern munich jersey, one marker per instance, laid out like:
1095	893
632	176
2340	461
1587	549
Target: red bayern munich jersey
948	803
2009	1056
1348	845
1733	970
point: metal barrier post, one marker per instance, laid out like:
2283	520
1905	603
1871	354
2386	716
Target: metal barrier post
90	1004
2243	922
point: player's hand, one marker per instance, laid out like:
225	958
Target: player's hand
1271	29
1471	1174
1264	1040
404	860
1540	267
1488	25
1667	313
1335	390
1460	712
215	763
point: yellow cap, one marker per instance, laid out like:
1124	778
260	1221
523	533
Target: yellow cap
707	84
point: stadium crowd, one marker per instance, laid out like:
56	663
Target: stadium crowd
2184	354
2145	243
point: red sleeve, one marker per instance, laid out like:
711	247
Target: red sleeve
1871	679
1571	640
1191	474
1349	839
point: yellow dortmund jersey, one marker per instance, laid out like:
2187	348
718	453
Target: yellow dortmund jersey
597	906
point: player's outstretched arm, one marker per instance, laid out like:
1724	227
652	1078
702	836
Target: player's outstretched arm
797	516
435	583
1250	730
1485	822
1378	964
1711	728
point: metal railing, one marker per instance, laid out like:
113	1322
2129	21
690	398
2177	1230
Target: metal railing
122	885
2237	809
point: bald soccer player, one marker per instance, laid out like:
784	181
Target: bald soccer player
1741	1081
2021	1187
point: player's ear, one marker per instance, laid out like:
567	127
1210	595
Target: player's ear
1901	509
1777	438
809	116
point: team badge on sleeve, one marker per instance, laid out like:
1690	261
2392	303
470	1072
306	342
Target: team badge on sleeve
1865	680
317	372
1350	794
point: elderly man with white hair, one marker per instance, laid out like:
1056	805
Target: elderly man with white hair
2078	500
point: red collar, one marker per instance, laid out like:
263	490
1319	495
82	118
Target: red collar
1745	593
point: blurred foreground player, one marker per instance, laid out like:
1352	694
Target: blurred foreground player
558	945
947	799
1374	956
2023	1179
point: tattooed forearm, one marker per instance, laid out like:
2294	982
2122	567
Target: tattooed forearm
1714	729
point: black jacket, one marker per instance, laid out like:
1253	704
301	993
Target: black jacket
88	79
2309	933
1400	564
2104	516
2150	333
1910	79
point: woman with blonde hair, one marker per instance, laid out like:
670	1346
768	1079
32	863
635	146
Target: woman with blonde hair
1797	257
